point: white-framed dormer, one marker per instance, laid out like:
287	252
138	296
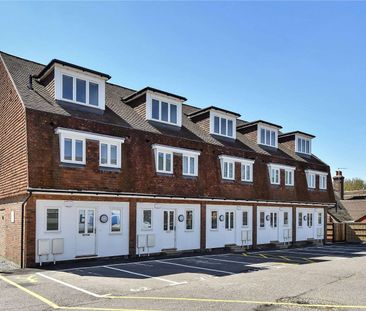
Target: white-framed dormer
267	135
163	108
79	87
311	179
303	144
164	159
222	124
227	164
274	171
73	147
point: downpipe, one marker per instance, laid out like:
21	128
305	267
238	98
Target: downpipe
22	226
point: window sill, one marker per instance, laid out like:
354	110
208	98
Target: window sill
246	182
115	233
190	176
109	169
164	174
58	231
72	165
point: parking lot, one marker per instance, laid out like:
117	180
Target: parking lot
324	277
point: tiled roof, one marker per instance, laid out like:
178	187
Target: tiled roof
120	114
355	208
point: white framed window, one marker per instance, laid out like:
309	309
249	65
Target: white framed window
147	219
267	136
289	177
214	220
52	219
247	172
164	162
163	109
164	157
275	175
273	219
222	124
309	220
229	220
72	150
323	182
299	219
320	218
109	154
302	145
73	147
189	220
228	169
285	218
81	89
245	219
190	167
262	220
116	221
310	177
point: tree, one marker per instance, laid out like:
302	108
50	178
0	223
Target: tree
354	184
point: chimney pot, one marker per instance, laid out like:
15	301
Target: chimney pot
338	185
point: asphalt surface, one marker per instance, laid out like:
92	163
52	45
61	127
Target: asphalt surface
331	277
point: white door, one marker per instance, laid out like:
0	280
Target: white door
229	227
169	229
85	241
273	226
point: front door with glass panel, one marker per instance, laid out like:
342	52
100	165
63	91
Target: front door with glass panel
85	244
229	226
169	229
273	226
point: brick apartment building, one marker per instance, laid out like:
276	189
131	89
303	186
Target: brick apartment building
89	168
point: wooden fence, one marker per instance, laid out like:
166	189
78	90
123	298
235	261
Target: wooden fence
356	232
350	232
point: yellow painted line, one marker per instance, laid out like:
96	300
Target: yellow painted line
55	306
99	309
293	304
287	258
29	292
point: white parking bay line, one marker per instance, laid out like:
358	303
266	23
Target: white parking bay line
70	285
145	275
194	267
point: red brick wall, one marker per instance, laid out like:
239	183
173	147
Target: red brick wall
13	141
138	168
10	232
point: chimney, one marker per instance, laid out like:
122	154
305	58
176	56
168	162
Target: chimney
338	185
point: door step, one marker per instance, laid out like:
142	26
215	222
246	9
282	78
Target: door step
86	256
171	252
233	248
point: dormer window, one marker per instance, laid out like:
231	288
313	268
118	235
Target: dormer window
222	124
79	88
165	112
163	108
303	145
268	136
80	91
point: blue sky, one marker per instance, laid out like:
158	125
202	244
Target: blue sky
298	64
